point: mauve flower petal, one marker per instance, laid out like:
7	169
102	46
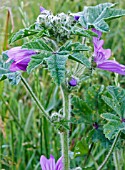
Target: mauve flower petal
59	164
22	67
102	55
99	57
107	53
99	33
52	162
47	164
21	58
112	66
16	67
17	53
11	53
23	61
43	162
97	44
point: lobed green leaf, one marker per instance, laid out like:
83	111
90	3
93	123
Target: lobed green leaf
79	57
13	77
110	117
37	45
96	16
37	60
56	65
23	33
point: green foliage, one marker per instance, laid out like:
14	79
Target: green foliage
80	108
56	65
81	148
73	49
70	46
81	32
112	128
1	87
23	33
110	117
22	151
90	106
13	77
96	16
112	104
79	57
97	135
37	60
93	98
116	102
38	44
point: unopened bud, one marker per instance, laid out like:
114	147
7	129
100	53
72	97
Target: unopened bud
73	82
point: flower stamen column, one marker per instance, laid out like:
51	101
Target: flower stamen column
65	133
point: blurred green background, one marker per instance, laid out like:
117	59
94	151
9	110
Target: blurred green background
24	134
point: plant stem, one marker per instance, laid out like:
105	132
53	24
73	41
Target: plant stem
44	113
65	134
110	152
65	149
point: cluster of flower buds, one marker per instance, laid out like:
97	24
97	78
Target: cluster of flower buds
59	25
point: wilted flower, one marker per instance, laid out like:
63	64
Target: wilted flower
20	58
101	56
72	82
49	164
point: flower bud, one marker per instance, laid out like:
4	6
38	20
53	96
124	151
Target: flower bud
123	120
76	17
95	125
73	82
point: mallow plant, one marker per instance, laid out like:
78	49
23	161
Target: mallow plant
70	46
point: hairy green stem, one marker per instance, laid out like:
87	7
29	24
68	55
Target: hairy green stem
65	149
44	113
65	134
110	152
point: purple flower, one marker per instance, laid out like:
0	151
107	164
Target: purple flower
73	82
20	58
49	164
42	9
101	56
